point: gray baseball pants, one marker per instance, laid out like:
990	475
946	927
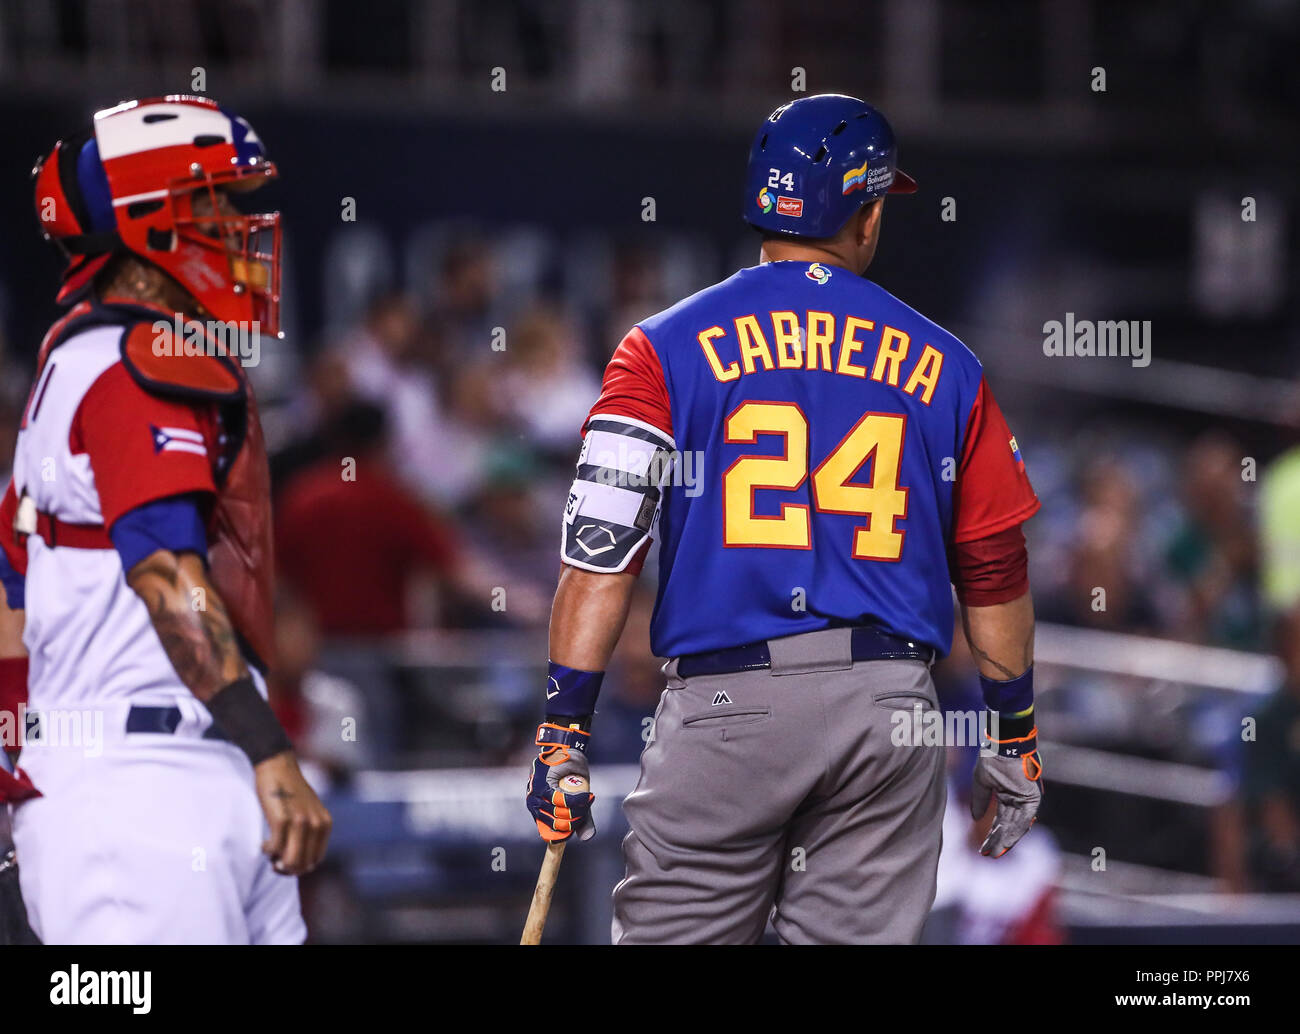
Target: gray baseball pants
779	794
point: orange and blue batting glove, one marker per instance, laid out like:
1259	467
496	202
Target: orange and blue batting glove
559	814
563	737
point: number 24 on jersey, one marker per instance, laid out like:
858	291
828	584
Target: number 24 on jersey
876	436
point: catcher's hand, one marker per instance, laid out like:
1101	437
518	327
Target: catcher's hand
299	824
1015	775
559	814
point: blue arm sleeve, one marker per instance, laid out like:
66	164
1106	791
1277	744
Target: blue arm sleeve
15	585
174	523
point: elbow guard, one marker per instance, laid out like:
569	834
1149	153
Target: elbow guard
614	502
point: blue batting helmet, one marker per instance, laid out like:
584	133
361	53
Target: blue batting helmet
816	161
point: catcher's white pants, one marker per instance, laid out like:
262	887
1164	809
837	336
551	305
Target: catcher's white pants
149	838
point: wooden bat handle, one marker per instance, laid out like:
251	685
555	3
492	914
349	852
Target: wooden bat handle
550	871
541	905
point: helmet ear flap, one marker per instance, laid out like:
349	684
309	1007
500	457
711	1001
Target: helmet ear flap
68	152
57	213
66	216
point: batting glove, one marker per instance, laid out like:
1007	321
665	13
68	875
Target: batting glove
559	814
1015	774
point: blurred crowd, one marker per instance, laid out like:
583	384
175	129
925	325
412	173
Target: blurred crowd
426	448
1167	531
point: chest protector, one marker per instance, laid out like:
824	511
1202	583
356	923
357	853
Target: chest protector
195	369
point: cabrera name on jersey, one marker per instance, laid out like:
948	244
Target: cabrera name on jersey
840	443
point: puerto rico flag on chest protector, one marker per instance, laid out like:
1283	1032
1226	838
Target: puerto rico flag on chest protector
806	448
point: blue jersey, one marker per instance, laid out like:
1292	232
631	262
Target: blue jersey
831	446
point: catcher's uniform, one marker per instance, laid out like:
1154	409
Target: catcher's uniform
148	829
829	448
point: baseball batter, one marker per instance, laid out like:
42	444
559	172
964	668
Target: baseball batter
159	800
849	467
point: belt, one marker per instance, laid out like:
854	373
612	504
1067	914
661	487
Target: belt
77	536
869	644
164	720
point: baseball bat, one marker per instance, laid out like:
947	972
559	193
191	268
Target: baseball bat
546	878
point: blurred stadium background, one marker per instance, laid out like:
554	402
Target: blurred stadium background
416	608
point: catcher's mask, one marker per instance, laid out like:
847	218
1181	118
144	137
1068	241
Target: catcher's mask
147	179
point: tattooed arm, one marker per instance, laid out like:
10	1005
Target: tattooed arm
1001	637
199	639
191	621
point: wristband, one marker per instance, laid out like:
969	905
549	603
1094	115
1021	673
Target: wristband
569	721
1014	734
571	691
1012	697
558	741
248	721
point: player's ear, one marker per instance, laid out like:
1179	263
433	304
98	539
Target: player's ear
868	221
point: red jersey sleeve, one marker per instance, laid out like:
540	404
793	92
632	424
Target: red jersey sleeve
992	492
141	447
14	554
634	385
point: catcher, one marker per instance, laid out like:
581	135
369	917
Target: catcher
159	800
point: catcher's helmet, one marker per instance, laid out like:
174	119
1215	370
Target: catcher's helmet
130	184
816	161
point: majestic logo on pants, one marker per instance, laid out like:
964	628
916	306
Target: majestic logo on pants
721	698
